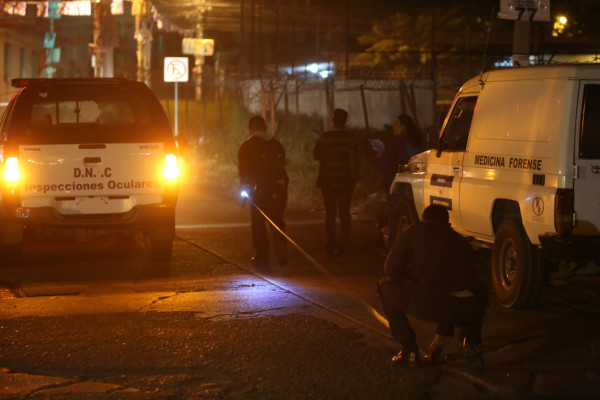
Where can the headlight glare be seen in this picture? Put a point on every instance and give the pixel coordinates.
(11, 171)
(171, 170)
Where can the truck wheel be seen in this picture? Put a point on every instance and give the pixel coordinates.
(159, 242)
(11, 255)
(517, 266)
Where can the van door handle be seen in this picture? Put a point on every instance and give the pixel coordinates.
(92, 160)
(455, 169)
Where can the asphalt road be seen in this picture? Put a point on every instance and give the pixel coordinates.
(97, 320)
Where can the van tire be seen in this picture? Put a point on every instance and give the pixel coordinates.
(517, 266)
(406, 216)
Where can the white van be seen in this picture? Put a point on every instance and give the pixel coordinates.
(86, 154)
(518, 166)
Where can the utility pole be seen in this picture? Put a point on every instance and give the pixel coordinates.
(347, 39)
(198, 62)
(106, 39)
(523, 12)
(143, 37)
(522, 38)
(203, 8)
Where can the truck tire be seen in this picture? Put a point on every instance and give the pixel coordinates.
(11, 255)
(159, 242)
(517, 266)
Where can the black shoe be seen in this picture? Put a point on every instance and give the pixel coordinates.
(410, 358)
(473, 356)
(259, 262)
(435, 349)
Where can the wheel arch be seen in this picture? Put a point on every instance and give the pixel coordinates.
(503, 209)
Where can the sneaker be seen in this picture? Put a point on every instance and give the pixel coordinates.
(473, 356)
(410, 358)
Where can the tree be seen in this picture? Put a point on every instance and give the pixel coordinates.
(406, 44)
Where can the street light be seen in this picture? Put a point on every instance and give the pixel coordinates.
(559, 25)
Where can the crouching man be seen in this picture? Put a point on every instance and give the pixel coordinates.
(430, 274)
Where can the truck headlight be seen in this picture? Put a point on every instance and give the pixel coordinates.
(171, 170)
(11, 169)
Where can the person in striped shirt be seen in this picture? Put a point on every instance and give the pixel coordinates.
(337, 153)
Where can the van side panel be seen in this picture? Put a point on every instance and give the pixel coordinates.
(527, 119)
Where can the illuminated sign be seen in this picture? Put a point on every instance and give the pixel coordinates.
(198, 47)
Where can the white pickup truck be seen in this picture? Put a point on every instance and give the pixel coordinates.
(86, 155)
(518, 167)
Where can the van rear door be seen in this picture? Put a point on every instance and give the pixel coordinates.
(587, 160)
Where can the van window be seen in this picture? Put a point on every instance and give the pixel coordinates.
(589, 141)
(456, 132)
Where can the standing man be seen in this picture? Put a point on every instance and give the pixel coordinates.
(337, 153)
(261, 165)
(430, 274)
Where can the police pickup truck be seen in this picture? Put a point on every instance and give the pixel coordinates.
(518, 167)
(86, 155)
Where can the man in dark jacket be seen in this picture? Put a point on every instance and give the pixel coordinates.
(337, 153)
(430, 274)
(261, 165)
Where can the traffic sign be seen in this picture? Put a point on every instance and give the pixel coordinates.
(176, 69)
(536, 10)
(198, 47)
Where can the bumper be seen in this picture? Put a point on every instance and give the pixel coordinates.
(138, 218)
(557, 247)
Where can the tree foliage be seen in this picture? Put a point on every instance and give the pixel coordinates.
(406, 42)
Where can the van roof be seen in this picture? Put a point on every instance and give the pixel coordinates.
(552, 71)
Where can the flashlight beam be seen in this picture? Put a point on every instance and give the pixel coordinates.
(320, 268)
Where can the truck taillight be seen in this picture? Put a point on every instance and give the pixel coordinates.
(171, 170)
(564, 210)
(11, 169)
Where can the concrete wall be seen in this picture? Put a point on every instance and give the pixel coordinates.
(383, 100)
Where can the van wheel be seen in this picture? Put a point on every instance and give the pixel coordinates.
(11, 255)
(159, 242)
(406, 216)
(517, 266)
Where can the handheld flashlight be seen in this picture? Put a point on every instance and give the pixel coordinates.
(245, 196)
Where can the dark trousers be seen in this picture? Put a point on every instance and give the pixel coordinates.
(272, 203)
(392, 222)
(398, 298)
(337, 200)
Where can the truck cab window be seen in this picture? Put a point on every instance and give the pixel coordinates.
(589, 143)
(456, 132)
